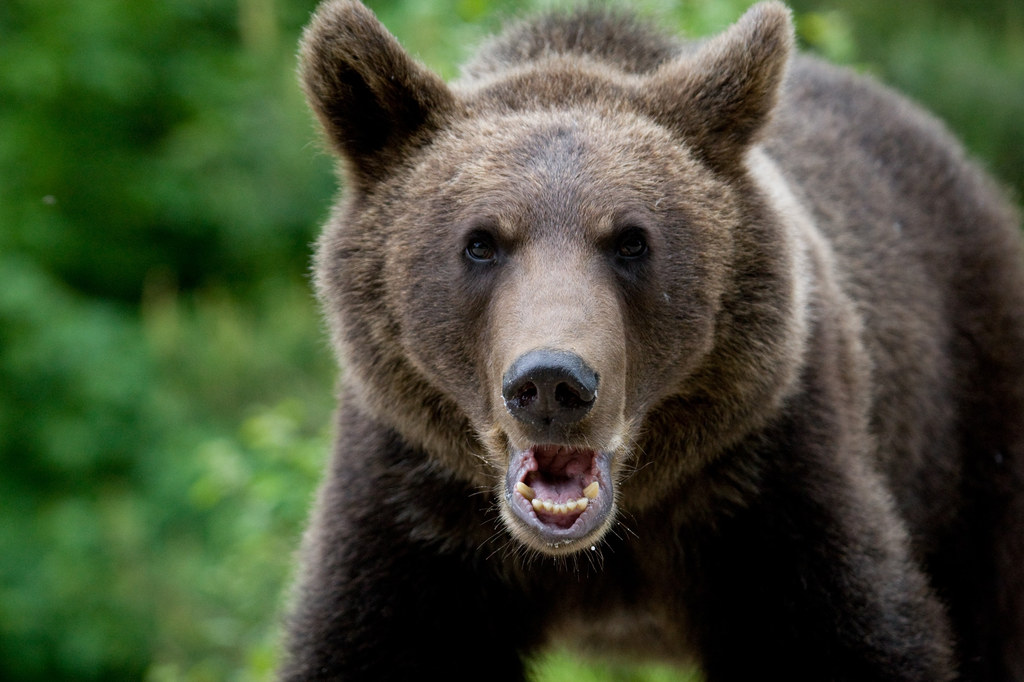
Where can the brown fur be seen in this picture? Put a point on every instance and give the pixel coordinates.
(808, 423)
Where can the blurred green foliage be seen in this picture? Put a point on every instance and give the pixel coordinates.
(165, 383)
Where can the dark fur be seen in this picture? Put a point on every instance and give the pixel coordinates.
(812, 388)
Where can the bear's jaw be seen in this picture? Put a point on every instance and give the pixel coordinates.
(560, 496)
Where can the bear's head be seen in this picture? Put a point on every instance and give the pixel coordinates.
(558, 278)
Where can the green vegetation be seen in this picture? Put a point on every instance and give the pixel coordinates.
(165, 381)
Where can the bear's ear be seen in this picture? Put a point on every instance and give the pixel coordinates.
(718, 97)
(373, 100)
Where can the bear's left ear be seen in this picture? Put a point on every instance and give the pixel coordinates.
(720, 96)
(374, 101)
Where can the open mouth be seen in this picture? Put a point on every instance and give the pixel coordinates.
(560, 493)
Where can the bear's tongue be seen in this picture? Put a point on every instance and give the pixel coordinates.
(559, 482)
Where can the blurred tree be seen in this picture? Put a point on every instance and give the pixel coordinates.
(963, 60)
(158, 200)
(142, 137)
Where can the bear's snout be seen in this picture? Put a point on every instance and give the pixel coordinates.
(547, 388)
(559, 491)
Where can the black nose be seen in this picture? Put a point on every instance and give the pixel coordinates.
(549, 388)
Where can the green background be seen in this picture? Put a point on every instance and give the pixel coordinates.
(165, 382)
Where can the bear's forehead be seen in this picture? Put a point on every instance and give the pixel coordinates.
(543, 166)
(526, 173)
(557, 147)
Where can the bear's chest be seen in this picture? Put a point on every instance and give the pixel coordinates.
(644, 627)
(629, 602)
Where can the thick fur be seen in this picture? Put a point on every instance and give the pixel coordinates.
(811, 400)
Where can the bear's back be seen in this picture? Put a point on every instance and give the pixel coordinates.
(926, 246)
(603, 34)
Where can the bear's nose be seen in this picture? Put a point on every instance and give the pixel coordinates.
(546, 388)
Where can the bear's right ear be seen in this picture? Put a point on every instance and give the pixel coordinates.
(373, 100)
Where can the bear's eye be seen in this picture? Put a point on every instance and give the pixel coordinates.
(631, 245)
(480, 248)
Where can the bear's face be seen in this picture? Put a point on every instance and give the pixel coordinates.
(513, 284)
(533, 239)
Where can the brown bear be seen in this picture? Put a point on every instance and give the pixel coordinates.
(693, 351)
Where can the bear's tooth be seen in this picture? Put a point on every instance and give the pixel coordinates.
(525, 490)
(560, 508)
(581, 503)
(548, 505)
(592, 490)
(571, 505)
(537, 504)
